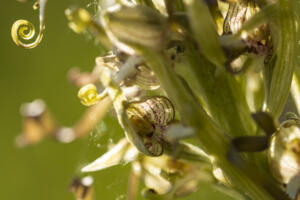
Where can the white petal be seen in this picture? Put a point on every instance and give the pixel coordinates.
(113, 157)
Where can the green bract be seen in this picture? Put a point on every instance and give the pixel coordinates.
(136, 26)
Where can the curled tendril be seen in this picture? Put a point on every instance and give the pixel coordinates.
(23, 29)
(88, 95)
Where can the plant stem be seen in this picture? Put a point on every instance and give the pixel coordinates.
(210, 137)
(221, 94)
(91, 117)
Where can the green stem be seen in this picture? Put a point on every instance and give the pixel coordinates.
(209, 136)
(221, 93)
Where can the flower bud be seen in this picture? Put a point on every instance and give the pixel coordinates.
(148, 117)
(141, 125)
(133, 27)
(158, 110)
(284, 151)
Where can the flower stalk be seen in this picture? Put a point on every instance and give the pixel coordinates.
(209, 135)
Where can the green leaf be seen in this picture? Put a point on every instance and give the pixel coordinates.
(220, 92)
(205, 32)
(285, 50)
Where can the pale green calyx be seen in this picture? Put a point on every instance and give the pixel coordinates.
(284, 151)
(132, 27)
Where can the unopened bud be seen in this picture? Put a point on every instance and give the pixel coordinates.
(284, 151)
(133, 27)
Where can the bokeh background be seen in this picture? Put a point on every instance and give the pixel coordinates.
(44, 171)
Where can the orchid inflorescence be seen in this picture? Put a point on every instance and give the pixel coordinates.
(196, 85)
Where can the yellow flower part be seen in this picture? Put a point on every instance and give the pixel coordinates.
(89, 96)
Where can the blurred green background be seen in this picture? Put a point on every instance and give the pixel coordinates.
(44, 171)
